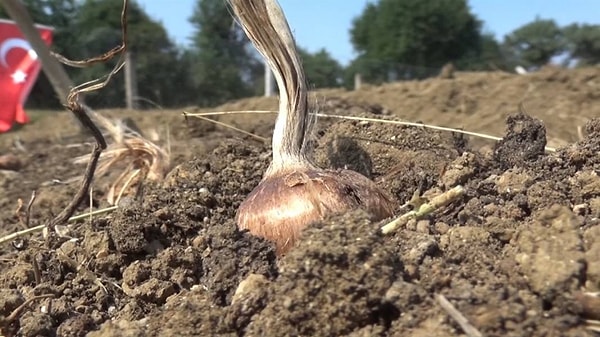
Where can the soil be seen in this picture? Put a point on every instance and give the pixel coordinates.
(516, 255)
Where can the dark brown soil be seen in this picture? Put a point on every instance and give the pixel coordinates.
(515, 255)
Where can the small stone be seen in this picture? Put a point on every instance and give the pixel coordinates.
(441, 227)
(423, 226)
(513, 182)
(459, 171)
(417, 254)
(411, 225)
(252, 283)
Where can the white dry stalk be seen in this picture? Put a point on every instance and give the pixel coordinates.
(362, 119)
(427, 208)
(592, 325)
(266, 25)
(40, 228)
(462, 321)
(229, 126)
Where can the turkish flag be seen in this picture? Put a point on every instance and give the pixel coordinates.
(19, 68)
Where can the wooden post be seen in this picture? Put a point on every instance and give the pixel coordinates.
(131, 88)
(357, 81)
(268, 81)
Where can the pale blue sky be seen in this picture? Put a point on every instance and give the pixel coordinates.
(325, 23)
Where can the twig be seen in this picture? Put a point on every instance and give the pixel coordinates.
(18, 212)
(89, 170)
(14, 315)
(36, 270)
(91, 202)
(470, 330)
(262, 139)
(28, 210)
(25, 223)
(425, 209)
(79, 111)
(39, 228)
(366, 119)
(592, 325)
(80, 268)
(106, 56)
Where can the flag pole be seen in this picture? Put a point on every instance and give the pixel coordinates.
(55, 72)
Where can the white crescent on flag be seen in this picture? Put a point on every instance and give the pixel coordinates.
(19, 68)
(12, 43)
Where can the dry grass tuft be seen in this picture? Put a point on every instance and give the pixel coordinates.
(139, 159)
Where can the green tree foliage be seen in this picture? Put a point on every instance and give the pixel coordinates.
(391, 34)
(583, 43)
(322, 70)
(491, 56)
(89, 28)
(225, 65)
(161, 74)
(536, 43)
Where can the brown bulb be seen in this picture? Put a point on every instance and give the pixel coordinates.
(295, 193)
(282, 205)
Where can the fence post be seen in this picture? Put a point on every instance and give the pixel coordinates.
(131, 88)
(357, 81)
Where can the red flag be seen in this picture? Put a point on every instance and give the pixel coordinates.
(19, 68)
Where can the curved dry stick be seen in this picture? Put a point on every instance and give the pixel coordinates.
(100, 145)
(80, 113)
(104, 57)
(15, 314)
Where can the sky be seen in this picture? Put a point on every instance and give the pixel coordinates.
(326, 23)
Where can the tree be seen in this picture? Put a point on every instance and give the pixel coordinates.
(322, 70)
(89, 28)
(583, 43)
(226, 66)
(391, 34)
(536, 43)
(491, 56)
(161, 77)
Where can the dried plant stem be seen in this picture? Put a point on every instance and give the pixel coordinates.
(75, 106)
(41, 227)
(592, 325)
(266, 25)
(15, 314)
(425, 209)
(364, 119)
(81, 269)
(37, 273)
(470, 330)
(262, 139)
(68, 211)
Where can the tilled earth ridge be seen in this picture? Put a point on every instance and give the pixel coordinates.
(513, 255)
